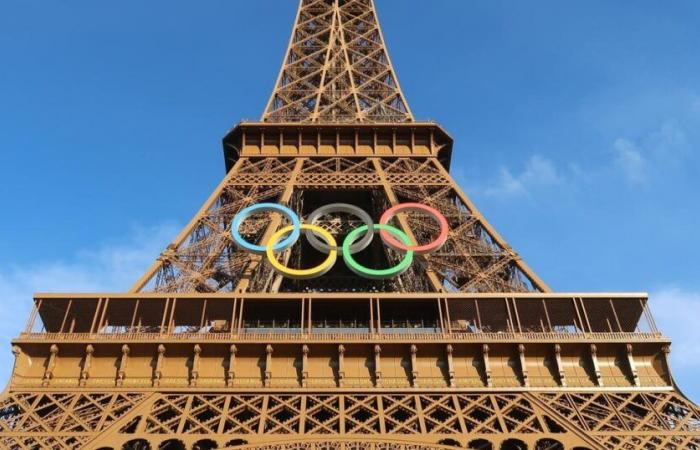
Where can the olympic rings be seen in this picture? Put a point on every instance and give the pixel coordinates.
(376, 274)
(343, 208)
(265, 207)
(323, 241)
(419, 249)
(302, 274)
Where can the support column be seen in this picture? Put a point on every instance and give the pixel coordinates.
(194, 375)
(231, 373)
(85, 371)
(32, 317)
(377, 366)
(304, 365)
(523, 365)
(560, 365)
(450, 366)
(51, 365)
(432, 277)
(632, 365)
(487, 365)
(158, 372)
(121, 374)
(536, 280)
(268, 366)
(666, 350)
(16, 352)
(151, 272)
(341, 365)
(596, 365)
(255, 260)
(414, 366)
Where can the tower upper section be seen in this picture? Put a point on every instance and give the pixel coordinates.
(337, 69)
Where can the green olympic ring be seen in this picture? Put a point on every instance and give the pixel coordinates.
(393, 237)
(376, 274)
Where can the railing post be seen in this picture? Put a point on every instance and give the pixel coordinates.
(233, 324)
(32, 317)
(95, 316)
(165, 314)
(240, 316)
(449, 319)
(65, 316)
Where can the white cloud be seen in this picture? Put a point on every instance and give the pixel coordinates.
(660, 150)
(670, 142)
(107, 268)
(676, 312)
(507, 184)
(630, 160)
(538, 171)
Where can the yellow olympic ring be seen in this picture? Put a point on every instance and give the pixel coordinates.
(302, 274)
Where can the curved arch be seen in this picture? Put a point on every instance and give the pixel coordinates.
(513, 444)
(450, 443)
(333, 445)
(172, 444)
(480, 444)
(137, 444)
(205, 444)
(549, 444)
(236, 443)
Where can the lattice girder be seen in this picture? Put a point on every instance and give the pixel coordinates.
(418, 419)
(474, 259)
(178, 363)
(337, 68)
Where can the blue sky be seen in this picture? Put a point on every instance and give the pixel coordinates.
(577, 126)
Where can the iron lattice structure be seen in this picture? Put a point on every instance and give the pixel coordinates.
(468, 349)
(337, 69)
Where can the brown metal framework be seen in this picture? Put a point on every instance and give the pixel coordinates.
(468, 349)
(337, 68)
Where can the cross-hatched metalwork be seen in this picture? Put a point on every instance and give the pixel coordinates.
(469, 348)
(337, 68)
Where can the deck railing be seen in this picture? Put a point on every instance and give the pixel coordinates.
(330, 337)
(321, 317)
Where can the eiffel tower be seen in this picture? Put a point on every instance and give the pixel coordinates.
(466, 347)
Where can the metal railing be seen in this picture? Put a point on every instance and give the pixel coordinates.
(399, 335)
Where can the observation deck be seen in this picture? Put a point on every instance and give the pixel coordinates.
(326, 341)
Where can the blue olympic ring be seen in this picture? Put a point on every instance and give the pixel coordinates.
(259, 208)
(351, 245)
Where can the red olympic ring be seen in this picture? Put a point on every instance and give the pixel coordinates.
(419, 249)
